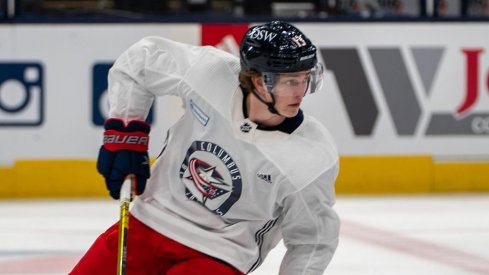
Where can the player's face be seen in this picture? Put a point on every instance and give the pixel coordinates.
(289, 90)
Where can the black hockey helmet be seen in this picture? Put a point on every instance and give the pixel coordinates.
(276, 47)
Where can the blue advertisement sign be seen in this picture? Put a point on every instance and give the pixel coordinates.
(21, 94)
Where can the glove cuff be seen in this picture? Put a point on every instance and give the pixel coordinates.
(133, 141)
(133, 136)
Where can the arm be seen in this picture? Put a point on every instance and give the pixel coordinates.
(147, 69)
(311, 227)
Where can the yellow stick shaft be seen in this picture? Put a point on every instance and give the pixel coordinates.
(125, 199)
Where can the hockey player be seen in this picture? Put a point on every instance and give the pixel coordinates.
(242, 169)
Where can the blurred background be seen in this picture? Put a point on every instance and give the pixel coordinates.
(220, 9)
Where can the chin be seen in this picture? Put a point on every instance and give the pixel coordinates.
(290, 113)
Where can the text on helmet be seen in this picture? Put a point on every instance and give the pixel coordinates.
(262, 35)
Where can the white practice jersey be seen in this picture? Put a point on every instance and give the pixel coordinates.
(221, 185)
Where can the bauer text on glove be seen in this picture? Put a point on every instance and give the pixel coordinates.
(124, 152)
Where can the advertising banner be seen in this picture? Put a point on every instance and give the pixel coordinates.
(407, 88)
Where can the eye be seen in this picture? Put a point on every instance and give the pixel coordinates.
(292, 82)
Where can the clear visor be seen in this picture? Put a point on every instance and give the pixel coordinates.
(296, 83)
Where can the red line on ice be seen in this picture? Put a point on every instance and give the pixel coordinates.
(39, 264)
(415, 247)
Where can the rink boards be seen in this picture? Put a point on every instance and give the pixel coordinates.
(407, 103)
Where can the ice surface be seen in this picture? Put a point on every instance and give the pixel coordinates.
(380, 235)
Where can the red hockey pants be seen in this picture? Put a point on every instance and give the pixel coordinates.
(148, 253)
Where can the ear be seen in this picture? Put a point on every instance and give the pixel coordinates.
(260, 87)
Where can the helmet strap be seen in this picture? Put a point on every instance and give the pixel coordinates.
(270, 105)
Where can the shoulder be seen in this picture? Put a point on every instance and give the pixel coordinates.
(305, 155)
(162, 43)
(154, 50)
(316, 149)
(318, 137)
(213, 74)
(194, 61)
(202, 58)
(158, 42)
(154, 46)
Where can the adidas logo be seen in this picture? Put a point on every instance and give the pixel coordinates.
(266, 177)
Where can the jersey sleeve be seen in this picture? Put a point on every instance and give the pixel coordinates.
(152, 67)
(311, 227)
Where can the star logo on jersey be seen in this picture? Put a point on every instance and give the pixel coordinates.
(211, 177)
(245, 127)
(207, 180)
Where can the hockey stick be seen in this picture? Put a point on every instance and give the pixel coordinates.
(125, 199)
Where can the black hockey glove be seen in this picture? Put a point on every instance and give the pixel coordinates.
(125, 151)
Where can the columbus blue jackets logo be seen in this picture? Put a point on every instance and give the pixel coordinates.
(211, 177)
